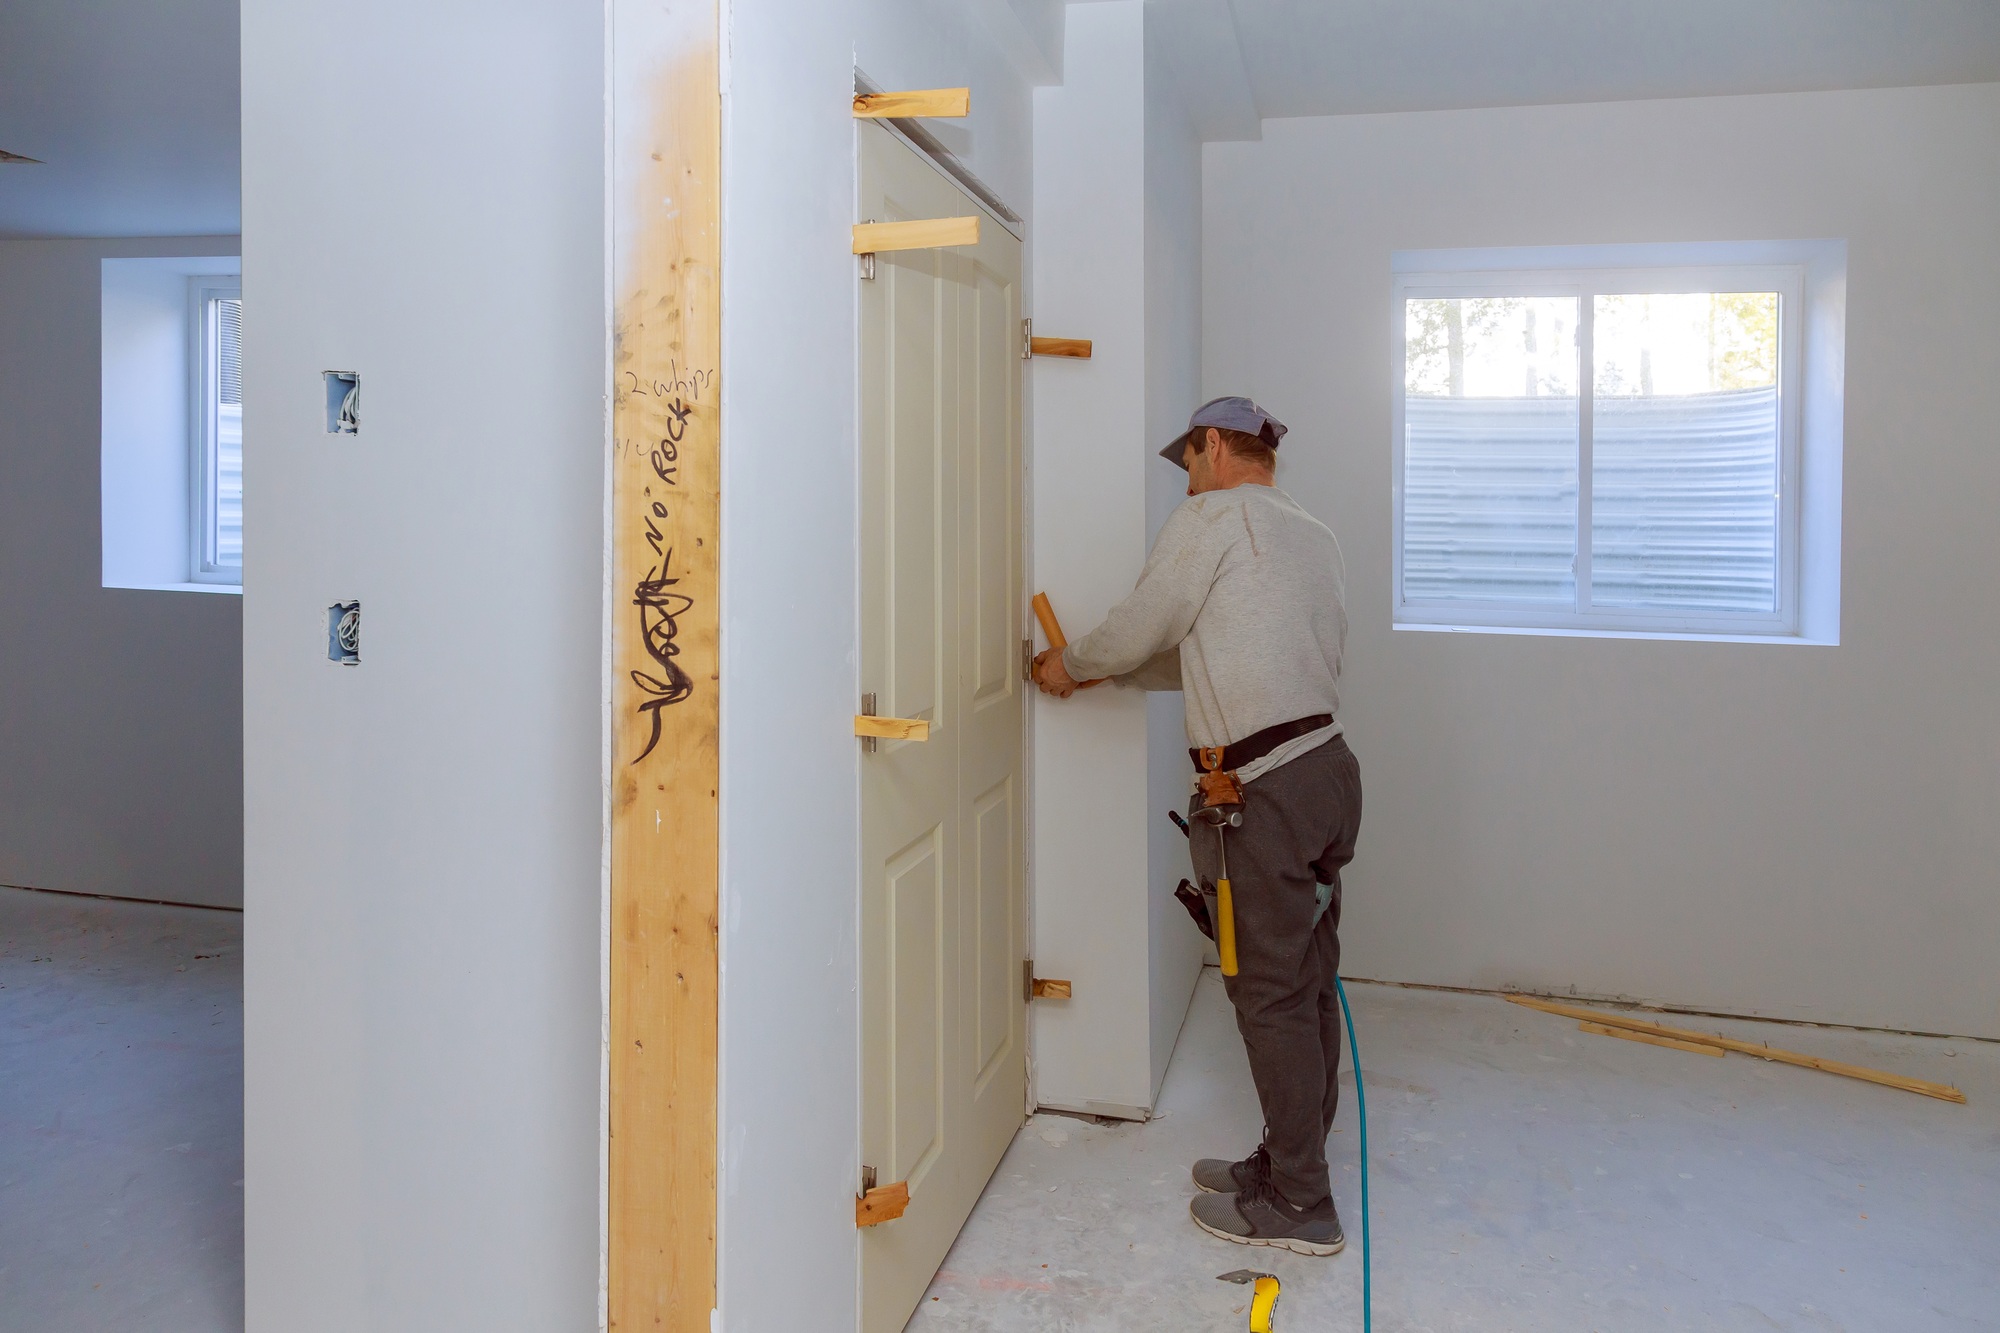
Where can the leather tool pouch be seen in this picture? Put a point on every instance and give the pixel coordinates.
(1218, 786)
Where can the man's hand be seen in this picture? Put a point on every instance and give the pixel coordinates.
(1052, 675)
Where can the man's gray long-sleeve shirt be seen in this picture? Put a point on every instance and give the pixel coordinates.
(1240, 606)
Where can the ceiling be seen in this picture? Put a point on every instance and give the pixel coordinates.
(133, 107)
(1251, 59)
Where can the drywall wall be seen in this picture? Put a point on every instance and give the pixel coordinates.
(121, 739)
(423, 196)
(1092, 1053)
(790, 612)
(1799, 831)
(146, 430)
(1118, 235)
(1175, 947)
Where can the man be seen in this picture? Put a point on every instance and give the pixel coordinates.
(1239, 607)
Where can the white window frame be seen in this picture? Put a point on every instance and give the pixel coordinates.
(1809, 278)
(203, 482)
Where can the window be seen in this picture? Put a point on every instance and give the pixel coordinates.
(1601, 447)
(170, 423)
(216, 361)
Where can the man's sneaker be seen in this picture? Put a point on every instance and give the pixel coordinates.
(1256, 1215)
(1214, 1175)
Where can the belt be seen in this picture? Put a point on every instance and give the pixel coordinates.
(1260, 743)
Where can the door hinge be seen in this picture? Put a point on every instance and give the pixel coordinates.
(1027, 339)
(867, 261)
(868, 743)
(1027, 659)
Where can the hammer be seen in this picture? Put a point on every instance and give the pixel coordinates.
(1225, 904)
(1222, 806)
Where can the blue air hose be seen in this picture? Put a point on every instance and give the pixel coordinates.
(1361, 1109)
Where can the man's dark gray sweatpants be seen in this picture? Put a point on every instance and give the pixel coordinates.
(1299, 822)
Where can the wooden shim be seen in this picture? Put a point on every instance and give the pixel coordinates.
(892, 728)
(1073, 347)
(665, 467)
(884, 1203)
(1626, 1034)
(1047, 988)
(922, 234)
(951, 102)
(1923, 1087)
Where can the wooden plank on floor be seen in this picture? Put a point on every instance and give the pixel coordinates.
(665, 554)
(1922, 1087)
(1674, 1043)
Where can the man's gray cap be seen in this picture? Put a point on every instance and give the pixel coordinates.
(1227, 414)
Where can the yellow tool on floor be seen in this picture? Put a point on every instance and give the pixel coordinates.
(1263, 1297)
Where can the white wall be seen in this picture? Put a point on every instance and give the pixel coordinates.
(790, 614)
(423, 202)
(121, 734)
(424, 831)
(1807, 832)
(147, 443)
(1117, 184)
(1173, 390)
(1092, 1052)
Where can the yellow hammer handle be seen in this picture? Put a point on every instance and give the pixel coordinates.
(1225, 927)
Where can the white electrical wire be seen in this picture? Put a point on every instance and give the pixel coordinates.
(349, 420)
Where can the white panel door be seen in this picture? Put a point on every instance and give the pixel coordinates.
(943, 1043)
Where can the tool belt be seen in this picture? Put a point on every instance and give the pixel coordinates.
(1257, 744)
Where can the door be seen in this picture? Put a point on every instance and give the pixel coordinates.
(944, 1033)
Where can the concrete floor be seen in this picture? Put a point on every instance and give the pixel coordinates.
(121, 1116)
(1525, 1176)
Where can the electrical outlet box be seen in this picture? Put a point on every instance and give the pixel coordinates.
(343, 633)
(343, 402)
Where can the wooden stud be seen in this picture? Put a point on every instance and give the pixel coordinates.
(892, 728)
(665, 466)
(1046, 988)
(1696, 1047)
(885, 1203)
(1074, 347)
(951, 102)
(922, 234)
(1923, 1087)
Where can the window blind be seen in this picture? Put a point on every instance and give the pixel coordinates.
(1683, 498)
